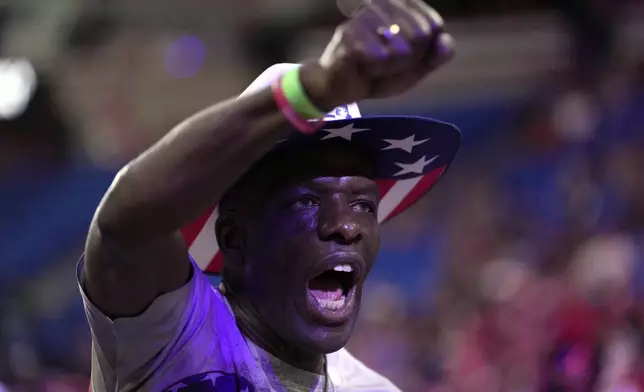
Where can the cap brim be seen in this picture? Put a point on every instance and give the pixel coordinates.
(412, 153)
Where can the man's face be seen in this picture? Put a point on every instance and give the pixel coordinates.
(310, 246)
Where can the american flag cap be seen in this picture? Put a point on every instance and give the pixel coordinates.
(411, 152)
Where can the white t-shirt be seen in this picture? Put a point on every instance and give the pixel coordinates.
(188, 341)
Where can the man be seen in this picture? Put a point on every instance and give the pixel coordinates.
(297, 224)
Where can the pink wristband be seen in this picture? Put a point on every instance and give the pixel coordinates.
(300, 123)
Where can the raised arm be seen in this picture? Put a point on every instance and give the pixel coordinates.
(134, 251)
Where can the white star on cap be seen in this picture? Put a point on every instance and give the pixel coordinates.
(345, 132)
(416, 167)
(406, 144)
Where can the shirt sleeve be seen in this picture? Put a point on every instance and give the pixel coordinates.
(350, 374)
(127, 351)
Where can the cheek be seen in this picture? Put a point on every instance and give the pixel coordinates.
(289, 230)
(279, 239)
(293, 224)
(372, 246)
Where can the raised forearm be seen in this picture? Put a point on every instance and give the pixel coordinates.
(181, 175)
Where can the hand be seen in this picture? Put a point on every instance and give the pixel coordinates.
(383, 50)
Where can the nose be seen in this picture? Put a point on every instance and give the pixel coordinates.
(336, 222)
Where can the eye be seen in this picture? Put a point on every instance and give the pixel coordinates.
(364, 206)
(304, 203)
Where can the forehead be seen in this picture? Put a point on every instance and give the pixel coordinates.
(326, 159)
(308, 165)
(310, 162)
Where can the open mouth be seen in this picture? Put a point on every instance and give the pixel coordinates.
(332, 292)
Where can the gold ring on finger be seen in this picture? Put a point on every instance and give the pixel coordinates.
(389, 32)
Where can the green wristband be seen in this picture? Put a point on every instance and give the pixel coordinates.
(296, 96)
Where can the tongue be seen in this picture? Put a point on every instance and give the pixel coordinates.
(326, 287)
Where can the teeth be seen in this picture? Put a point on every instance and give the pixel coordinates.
(333, 305)
(343, 268)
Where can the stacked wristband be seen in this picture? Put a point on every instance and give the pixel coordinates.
(295, 105)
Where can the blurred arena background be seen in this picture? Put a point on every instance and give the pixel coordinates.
(522, 272)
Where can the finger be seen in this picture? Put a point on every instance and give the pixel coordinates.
(414, 25)
(366, 46)
(358, 49)
(381, 27)
(418, 28)
(360, 6)
(378, 58)
(426, 23)
(392, 85)
(428, 13)
(443, 51)
(386, 28)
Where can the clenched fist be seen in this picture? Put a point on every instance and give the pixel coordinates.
(383, 50)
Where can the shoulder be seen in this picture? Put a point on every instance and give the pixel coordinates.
(348, 372)
(180, 334)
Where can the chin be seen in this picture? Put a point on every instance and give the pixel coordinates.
(325, 339)
(332, 345)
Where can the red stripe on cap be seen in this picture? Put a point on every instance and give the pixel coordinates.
(385, 186)
(216, 264)
(192, 230)
(423, 185)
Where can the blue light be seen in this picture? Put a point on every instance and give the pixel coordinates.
(185, 57)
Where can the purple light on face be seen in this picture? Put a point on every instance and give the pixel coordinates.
(185, 57)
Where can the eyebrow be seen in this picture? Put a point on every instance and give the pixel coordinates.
(371, 187)
(356, 189)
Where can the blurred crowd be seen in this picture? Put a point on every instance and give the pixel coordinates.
(523, 271)
(541, 237)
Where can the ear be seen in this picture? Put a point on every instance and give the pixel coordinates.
(229, 230)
